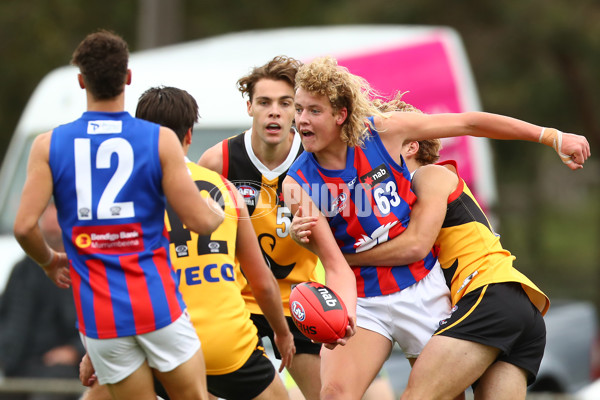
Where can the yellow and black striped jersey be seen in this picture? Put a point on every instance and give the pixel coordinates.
(205, 267)
(470, 252)
(261, 189)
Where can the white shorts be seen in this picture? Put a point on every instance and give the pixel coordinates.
(410, 316)
(165, 349)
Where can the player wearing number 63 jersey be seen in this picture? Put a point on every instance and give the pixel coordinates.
(366, 203)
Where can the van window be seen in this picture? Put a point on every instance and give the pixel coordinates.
(14, 188)
(202, 139)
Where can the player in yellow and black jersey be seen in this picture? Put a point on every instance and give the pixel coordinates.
(496, 332)
(261, 190)
(236, 364)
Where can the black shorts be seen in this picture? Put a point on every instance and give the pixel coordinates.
(302, 343)
(502, 316)
(250, 380)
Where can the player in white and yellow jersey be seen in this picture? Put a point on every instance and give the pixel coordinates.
(256, 162)
(236, 364)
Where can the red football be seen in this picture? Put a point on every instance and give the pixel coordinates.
(318, 312)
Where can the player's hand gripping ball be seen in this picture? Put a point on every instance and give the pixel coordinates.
(318, 312)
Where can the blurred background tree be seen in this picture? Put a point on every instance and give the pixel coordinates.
(534, 60)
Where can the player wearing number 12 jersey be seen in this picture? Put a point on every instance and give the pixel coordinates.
(109, 174)
(236, 365)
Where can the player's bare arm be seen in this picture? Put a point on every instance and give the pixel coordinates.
(263, 284)
(338, 274)
(213, 158)
(432, 184)
(402, 126)
(201, 215)
(34, 199)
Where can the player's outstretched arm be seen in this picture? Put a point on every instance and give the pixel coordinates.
(199, 214)
(263, 284)
(432, 185)
(403, 126)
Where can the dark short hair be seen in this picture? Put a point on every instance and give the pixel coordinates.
(280, 68)
(102, 58)
(168, 106)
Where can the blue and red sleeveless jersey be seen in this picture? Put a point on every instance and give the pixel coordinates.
(108, 193)
(366, 203)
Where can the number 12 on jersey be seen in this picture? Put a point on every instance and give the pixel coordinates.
(107, 207)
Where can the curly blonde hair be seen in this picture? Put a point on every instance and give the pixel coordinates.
(323, 76)
(429, 150)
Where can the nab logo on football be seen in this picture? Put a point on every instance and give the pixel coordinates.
(318, 312)
(329, 300)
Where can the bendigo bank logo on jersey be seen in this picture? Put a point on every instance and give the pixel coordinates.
(108, 239)
(377, 175)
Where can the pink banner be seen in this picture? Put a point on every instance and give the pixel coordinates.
(424, 70)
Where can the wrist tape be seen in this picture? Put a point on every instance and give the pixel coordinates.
(553, 138)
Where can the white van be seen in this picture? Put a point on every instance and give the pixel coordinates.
(427, 62)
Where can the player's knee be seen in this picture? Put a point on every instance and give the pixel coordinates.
(335, 391)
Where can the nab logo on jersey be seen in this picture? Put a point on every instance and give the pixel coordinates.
(377, 175)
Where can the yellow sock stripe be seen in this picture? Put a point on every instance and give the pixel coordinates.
(468, 313)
